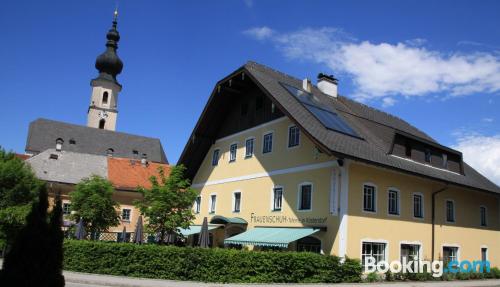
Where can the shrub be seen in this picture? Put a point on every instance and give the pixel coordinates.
(495, 272)
(207, 265)
(372, 277)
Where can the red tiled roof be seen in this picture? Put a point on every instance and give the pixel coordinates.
(130, 174)
(22, 156)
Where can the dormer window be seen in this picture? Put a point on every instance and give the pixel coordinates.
(59, 143)
(445, 160)
(110, 152)
(72, 141)
(408, 149)
(427, 155)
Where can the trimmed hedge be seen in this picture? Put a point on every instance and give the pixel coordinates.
(207, 265)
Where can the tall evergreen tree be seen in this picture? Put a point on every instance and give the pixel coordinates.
(35, 258)
(18, 190)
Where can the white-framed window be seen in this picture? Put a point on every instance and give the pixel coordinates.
(277, 202)
(215, 157)
(410, 252)
(249, 145)
(418, 205)
(393, 201)
(483, 213)
(450, 253)
(213, 203)
(232, 152)
(377, 250)
(450, 210)
(484, 253)
(66, 208)
(305, 196)
(267, 143)
(369, 198)
(293, 136)
(197, 204)
(126, 214)
(237, 201)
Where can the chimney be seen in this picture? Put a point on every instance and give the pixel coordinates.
(306, 85)
(328, 84)
(144, 160)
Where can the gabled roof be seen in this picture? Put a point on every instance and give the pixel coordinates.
(43, 134)
(376, 130)
(128, 174)
(71, 167)
(67, 167)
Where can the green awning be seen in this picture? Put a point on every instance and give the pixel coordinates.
(272, 236)
(195, 229)
(219, 219)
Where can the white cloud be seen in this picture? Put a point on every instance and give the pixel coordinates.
(382, 70)
(388, 102)
(259, 33)
(482, 153)
(488, 120)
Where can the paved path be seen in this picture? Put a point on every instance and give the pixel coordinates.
(105, 280)
(75, 279)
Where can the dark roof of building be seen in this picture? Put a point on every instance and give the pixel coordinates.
(43, 134)
(376, 130)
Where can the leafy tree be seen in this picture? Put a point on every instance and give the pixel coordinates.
(35, 258)
(167, 204)
(92, 201)
(18, 190)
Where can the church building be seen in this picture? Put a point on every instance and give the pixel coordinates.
(99, 136)
(63, 154)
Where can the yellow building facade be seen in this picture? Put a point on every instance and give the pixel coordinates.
(277, 176)
(255, 178)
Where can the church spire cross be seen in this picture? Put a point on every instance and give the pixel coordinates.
(108, 63)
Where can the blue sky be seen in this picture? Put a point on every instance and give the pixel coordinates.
(435, 64)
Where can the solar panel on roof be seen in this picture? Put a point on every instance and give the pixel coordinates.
(326, 115)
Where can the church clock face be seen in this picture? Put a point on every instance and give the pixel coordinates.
(103, 115)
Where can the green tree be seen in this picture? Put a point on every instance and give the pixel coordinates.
(36, 256)
(92, 201)
(18, 190)
(167, 204)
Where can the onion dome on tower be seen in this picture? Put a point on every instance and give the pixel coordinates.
(108, 63)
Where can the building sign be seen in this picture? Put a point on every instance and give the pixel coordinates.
(284, 219)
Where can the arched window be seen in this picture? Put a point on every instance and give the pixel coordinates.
(110, 152)
(105, 98)
(309, 244)
(59, 143)
(102, 122)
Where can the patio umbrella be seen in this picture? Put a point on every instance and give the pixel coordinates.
(124, 234)
(138, 231)
(80, 230)
(203, 241)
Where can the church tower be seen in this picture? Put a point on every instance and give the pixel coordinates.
(103, 112)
